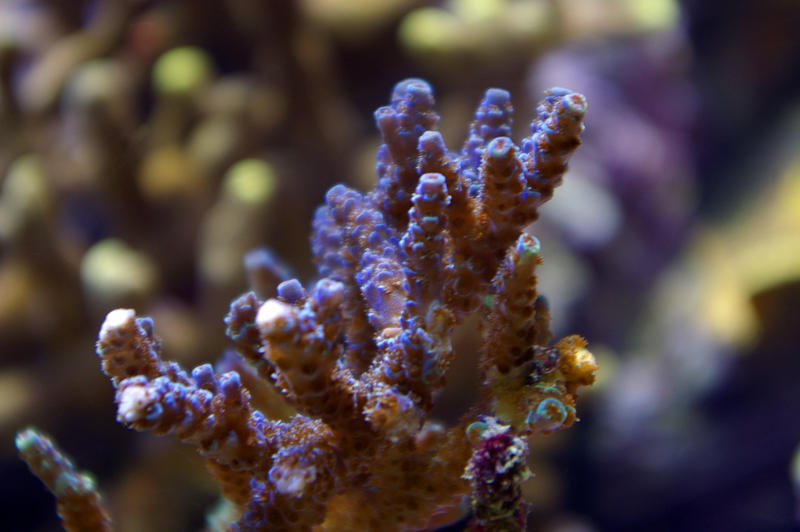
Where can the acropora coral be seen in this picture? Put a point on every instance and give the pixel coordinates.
(362, 353)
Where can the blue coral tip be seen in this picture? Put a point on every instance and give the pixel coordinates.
(328, 292)
(203, 376)
(291, 291)
(431, 141)
(384, 115)
(414, 87)
(146, 326)
(557, 91)
(498, 97)
(230, 383)
(334, 192)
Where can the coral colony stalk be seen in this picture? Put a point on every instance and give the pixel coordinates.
(362, 353)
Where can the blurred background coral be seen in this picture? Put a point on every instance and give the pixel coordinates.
(147, 146)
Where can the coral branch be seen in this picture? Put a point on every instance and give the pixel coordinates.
(542, 159)
(493, 119)
(242, 330)
(80, 506)
(401, 124)
(336, 244)
(212, 414)
(518, 319)
(425, 241)
(303, 343)
(127, 347)
(555, 135)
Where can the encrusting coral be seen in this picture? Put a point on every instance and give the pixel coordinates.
(362, 353)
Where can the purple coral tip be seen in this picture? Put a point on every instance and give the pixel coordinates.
(500, 148)
(431, 143)
(291, 291)
(555, 92)
(385, 118)
(231, 384)
(416, 88)
(498, 97)
(203, 376)
(328, 293)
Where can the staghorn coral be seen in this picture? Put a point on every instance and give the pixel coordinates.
(362, 353)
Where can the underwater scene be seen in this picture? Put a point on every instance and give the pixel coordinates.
(399, 265)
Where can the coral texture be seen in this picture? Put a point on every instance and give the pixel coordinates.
(362, 353)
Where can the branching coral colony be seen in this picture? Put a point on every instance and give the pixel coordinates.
(362, 353)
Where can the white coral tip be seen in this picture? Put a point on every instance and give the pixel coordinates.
(274, 317)
(133, 403)
(116, 319)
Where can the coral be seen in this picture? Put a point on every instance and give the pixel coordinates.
(362, 353)
(495, 471)
(79, 504)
